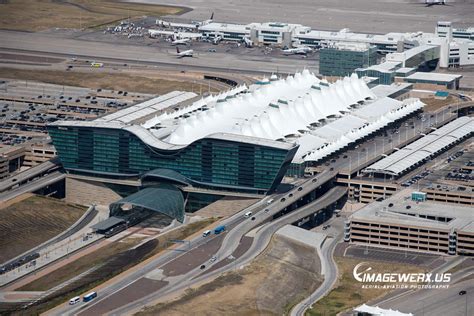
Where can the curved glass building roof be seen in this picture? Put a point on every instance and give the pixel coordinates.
(165, 199)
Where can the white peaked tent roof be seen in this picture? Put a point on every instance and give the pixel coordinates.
(280, 108)
(321, 117)
(375, 310)
(348, 129)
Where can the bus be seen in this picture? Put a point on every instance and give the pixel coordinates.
(219, 229)
(89, 297)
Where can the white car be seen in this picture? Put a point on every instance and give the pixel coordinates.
(248, 214)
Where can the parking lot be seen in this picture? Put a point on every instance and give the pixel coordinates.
(454, 172)
(27, 107)
(399, 256)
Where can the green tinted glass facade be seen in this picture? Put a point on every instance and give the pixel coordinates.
(210, 161)
(341, 62)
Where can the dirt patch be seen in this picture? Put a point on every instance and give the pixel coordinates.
(225, 207)
(433, 104)
(272, 284)
(31, 222)
(111, 81)
(82, 264)
(348, 293)
(36, 15)
(104, 263)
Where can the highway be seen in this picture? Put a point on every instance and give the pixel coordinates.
(33, 185)
(156, 263)
(260, 242)
(28, 174)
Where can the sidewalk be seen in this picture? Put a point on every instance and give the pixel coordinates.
(54, 252)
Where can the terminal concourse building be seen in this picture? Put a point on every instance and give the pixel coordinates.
(243, 140)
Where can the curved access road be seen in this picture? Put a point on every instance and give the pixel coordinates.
(260, 242)
(330, 273)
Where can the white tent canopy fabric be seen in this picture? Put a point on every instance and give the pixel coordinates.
(321, 117)
(277, 109)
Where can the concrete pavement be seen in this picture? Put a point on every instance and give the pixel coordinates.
(161, 56)
(329, 268)
(260, 242)
(437, 302)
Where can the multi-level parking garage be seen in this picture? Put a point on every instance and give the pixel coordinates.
(402, 223)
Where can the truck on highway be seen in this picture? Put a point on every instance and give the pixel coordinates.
(219, 229)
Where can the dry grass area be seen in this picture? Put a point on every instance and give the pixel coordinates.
(225, 207)
(271, 285)
(112, 81)
(348, 292)
(109, 261)
(33, 221)
(106, 253)
(77, 267)
(433, 104)
(37, 15)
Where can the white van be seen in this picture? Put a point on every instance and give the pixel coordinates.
(74, 300)
(248, 214)
(206, 233)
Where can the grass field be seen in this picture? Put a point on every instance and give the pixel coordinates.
(112, 259)
(33, 221)
(433, 104)
(274, 282)
(36, 15)
(348, 293)
(101, 255)
(124, 82)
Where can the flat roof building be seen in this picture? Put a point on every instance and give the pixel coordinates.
(447, 81)
(401, 223)
(424, 148)
(342, 59)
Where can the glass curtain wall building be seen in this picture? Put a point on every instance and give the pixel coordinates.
(218, 161)
(342, 59)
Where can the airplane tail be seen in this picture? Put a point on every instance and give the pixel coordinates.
(177, 49)
(212, 16)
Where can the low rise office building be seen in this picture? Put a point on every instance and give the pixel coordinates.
(342, 59)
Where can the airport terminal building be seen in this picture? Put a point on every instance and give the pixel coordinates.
(243, 140)
(114, 147)
(453, 47)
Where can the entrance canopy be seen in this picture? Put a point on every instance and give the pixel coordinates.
(165, 199)
(107, 224)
